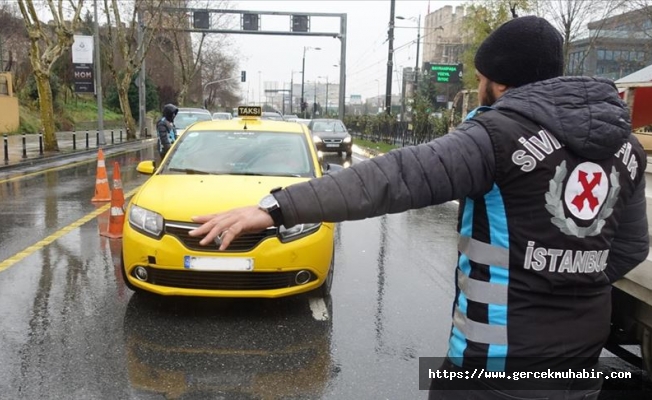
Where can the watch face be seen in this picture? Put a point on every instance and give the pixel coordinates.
(268, 201)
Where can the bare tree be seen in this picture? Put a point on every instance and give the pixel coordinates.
(183, 49)
(129, 52)
(220, 68)
(644, 7)
(45, 49)
(571, 18)
(13, 36)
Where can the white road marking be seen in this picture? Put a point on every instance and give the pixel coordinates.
(318, 308)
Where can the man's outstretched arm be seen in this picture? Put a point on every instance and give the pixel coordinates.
(453, 166)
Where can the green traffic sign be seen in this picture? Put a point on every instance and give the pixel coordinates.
(445, 73)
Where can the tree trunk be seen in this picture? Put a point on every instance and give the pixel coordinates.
(181, 98)
(47, 111)
(126, 109)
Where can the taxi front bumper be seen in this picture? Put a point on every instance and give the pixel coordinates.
(279, 269)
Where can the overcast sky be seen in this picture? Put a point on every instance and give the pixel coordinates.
(366, 59)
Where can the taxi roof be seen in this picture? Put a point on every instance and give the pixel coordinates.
(254, 124)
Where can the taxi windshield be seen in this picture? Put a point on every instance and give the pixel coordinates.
(241, 153)
(185, 119)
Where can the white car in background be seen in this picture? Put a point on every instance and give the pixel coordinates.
(188, 116)
(222, 115)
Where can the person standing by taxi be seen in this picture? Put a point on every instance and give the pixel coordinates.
(165, 129)
(552, 211)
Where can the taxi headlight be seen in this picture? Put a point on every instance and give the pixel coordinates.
(347, 139)
(146, 221)
(297, 231)
(316, 139)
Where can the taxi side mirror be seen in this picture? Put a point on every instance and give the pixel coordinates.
(328, 168)
(146, 167)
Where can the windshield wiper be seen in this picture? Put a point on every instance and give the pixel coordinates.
(244, 173)
(259, 174)
(190, 171)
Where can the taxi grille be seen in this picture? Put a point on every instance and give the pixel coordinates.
(244, 242)
(212, 280)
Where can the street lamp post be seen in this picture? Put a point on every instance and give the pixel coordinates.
(292, 90)
(416, 67)
(314, 103)
(260, 90)
(303, 69)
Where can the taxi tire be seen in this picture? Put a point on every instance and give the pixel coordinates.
(324, 291)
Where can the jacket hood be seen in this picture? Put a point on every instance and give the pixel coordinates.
(585, 114)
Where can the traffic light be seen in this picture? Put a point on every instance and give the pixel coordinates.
(243, 76)
(304, 105)
(250, 22)
(201, 20)
(300, 23)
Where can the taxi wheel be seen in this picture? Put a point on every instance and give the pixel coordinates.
(325, 289)
(124, 276)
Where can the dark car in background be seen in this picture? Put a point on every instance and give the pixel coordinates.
(331, 136)
(271, 115)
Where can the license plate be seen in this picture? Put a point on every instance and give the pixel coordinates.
(218, 263)
(332, 145)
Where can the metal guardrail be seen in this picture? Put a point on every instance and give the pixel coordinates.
(23, 147)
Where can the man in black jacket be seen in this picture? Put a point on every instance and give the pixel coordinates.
(552, 208)
(166, 130)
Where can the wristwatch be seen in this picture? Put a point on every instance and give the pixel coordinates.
(270, 205)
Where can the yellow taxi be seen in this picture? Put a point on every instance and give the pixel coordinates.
(212, 167)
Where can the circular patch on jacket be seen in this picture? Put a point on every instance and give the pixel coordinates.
(586, 189)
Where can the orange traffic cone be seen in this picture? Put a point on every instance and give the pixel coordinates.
(117, 215)
(101, 180)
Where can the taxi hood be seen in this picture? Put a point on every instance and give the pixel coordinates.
(180, 197)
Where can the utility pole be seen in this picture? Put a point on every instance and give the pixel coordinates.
(141, 75)
(416, 68)
(390, 59)
(314, 104)
(98, 80)
(291, 92)
(327, 96)
(303, 75)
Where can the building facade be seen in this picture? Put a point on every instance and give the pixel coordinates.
(614, 47)
(443, 36)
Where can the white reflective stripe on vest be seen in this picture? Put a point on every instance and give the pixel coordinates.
(481, 291)
(478, 331)
(483, 253)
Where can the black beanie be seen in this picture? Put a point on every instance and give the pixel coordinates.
(521, 51)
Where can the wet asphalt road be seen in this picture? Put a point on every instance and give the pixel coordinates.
(69, 329)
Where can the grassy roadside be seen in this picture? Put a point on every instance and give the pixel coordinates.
(381, 147)
(69, 115)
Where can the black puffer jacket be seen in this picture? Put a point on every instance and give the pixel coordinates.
(585, 114)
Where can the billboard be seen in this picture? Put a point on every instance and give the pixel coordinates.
(82, 50)
(84, 79)
(82, 60)
(444, 73)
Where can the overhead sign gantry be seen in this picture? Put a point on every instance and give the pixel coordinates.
(250, 23)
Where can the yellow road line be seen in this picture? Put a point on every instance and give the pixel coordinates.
(19, 177)
(58, 234)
